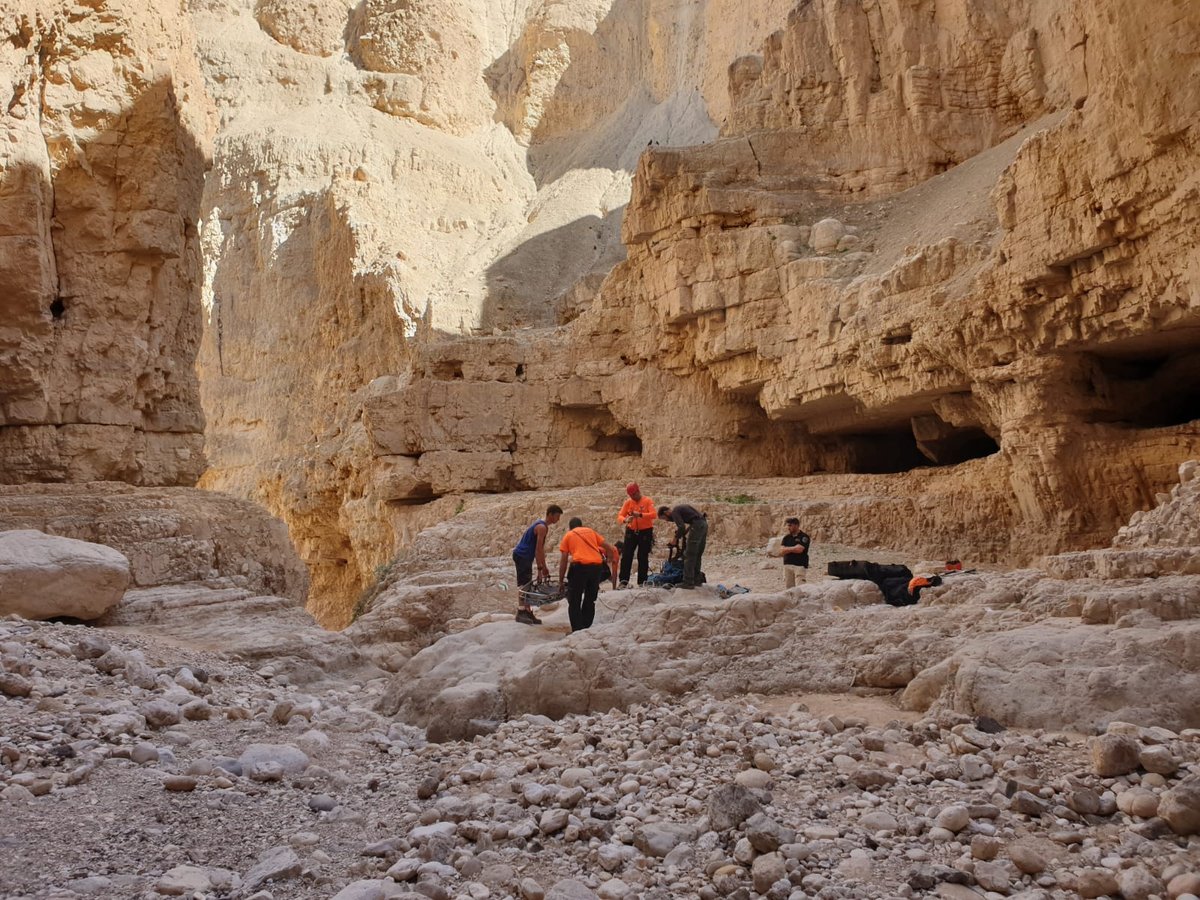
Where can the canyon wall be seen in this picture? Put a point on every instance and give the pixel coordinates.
(103, 144)
(387, 173)
(942, 251)
(928, 234)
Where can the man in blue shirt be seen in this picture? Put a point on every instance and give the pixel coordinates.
(531, 549)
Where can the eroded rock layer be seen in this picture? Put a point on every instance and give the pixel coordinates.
(1055, 647)
(926, 237)
(104, 137)
(386, 171)
(171, 536)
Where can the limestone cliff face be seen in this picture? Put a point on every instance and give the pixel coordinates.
(930, 234)
(389, 172)
(103, 146)
(881, 96)
(476, 246)
(1036, 302)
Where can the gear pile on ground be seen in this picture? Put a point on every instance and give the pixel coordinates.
(133, 770)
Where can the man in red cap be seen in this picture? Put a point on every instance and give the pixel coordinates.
(637, 515)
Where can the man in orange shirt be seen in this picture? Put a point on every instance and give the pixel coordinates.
(638, 516)
(592, 559)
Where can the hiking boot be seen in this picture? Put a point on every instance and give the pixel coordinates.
(623, 586)
(526, 617)
(687, 587)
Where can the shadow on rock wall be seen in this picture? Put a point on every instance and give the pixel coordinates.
(587, 99)
(521, 285)
(100, 293)
(297, 328)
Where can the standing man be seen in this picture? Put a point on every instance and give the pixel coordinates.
(592, 560)
(691, 526)
(637, 515)
(795, 553)
(529, 550)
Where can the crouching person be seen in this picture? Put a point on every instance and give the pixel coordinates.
(691, 527)
(591, 559)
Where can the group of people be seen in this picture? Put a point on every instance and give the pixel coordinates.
(587, 560)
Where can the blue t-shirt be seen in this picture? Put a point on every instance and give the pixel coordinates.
(527, 546)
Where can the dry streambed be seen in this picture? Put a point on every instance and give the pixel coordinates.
(129, 771)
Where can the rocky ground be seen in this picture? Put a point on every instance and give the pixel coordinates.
(131, 769)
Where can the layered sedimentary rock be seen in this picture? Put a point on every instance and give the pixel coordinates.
(923, 239)
(107, 133)
(387, 171)
(104, 133)
(202, 571)
(1114, 623)
(171, 536)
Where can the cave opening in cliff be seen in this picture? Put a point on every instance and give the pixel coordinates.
(447, 370)
(884, 452)
(624, 442)
(960, 446)
(58, 309)
(419, 495)
(596, 429)
(1150, 390)
(896, 449)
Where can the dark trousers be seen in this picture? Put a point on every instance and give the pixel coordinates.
(524, 574)
(583, 584)
(636, 542)
(693, 553)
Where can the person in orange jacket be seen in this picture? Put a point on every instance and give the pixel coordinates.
(592, 560)
(638, 516)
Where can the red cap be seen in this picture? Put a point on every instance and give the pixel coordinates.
(632, 488)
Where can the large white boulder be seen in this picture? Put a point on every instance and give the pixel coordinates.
(1058, 675)
(43, 576)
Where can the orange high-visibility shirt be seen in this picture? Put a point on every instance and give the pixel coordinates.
(642, 514)
(583, 544)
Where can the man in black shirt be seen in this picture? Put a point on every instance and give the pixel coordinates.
(691, 526)
(796, 558)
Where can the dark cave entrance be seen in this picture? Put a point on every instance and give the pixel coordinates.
(625, 442)
(447, 370)
(921, 442)
(595, 428)
(883, 452)
(1148, 390)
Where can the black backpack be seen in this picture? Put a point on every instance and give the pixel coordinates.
(891, 579)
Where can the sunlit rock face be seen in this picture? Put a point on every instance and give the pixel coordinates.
(104, 142)
(391, 171)
(908, 253)
(460, 247)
